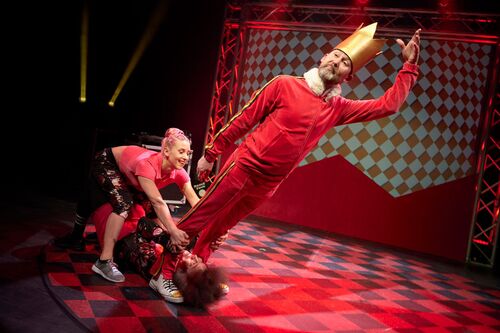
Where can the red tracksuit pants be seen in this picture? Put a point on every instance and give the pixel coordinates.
(232, 196)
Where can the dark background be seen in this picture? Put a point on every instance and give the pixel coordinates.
(48, 136)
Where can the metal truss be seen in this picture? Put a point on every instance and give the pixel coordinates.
(452, 25)
(226, 78)
(483, 241)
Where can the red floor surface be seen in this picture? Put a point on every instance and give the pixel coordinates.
(284, 279)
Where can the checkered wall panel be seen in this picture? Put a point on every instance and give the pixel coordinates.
(429, 142)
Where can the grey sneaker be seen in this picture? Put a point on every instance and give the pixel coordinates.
(167, 289)
(108, 270)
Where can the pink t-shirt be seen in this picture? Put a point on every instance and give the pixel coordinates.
(138, 161)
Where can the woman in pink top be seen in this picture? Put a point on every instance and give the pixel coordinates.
(127, 174)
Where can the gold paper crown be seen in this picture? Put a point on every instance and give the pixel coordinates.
(360, 47)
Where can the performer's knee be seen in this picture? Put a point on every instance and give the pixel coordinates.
(123, 209)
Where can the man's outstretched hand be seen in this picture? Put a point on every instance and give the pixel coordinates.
(411, 51)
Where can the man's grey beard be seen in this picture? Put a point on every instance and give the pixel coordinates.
(327, 76)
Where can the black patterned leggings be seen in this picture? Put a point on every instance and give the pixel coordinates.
(107, 184)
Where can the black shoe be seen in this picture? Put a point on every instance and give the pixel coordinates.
(70, 242)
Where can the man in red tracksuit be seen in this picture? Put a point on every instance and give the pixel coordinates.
(292, 114)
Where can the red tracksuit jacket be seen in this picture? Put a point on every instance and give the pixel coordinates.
(293, 119)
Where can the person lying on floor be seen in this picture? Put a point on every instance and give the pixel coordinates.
(142, 244)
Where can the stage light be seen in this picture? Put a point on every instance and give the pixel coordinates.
(83, 53)
(362, 3)
(154, 22)
(443, 4)
(446, 6)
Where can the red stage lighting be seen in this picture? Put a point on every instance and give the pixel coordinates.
(446, 6)
(444, 3)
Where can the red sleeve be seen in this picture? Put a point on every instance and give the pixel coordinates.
(259, 106)
(363, 110)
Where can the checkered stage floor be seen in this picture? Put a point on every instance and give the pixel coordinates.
(285, 279)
